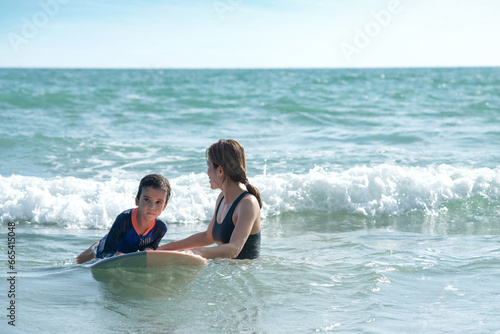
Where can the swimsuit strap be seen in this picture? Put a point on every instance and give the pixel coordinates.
(233, 206)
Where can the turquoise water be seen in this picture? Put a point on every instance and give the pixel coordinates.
(381, 192)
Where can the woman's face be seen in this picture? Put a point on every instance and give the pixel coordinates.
(215, 174)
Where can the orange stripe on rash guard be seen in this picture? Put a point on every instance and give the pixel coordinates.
(136, 226)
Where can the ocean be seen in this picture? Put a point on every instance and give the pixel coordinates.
(381, 192)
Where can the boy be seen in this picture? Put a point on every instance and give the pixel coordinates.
(135, 229)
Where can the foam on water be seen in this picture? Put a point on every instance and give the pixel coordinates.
(383, 190)
(376, 191)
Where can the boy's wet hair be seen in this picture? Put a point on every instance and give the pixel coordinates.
(156, 181)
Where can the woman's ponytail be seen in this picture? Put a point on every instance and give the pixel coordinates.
(254, 191)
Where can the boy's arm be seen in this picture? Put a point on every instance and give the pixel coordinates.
(114, 236)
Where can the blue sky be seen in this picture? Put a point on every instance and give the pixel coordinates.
(248, 34)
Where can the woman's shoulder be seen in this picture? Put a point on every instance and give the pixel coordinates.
(249, 200)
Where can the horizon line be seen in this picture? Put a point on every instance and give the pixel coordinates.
(246, 68)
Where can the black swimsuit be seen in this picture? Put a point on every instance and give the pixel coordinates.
(222, 232)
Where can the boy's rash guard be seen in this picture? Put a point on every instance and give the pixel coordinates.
(123, 236)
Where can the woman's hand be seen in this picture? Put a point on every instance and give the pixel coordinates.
(194, 251)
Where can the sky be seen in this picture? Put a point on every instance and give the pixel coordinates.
(249, 34)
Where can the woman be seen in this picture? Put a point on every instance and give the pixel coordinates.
(235, 226)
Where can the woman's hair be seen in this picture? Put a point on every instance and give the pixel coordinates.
(230, 155)
(156, 181)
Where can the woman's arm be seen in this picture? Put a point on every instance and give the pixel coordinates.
(200, 239)
(196, 240)
(247, 215)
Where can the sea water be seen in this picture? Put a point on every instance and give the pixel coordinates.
(381, 192)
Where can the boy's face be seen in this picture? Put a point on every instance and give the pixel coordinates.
(152, 202)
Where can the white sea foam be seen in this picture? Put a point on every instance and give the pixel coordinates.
(369, 191)
(376, 191)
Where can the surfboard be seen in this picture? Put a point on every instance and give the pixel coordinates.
(150, 259)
